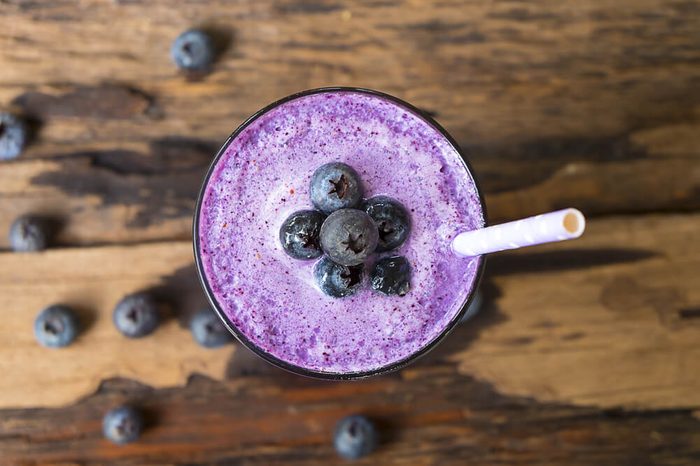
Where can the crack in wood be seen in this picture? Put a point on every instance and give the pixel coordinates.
(453, 418)
(162, 184)
(107, 101)
(689, 313)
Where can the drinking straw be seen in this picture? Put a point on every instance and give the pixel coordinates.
(545, 228)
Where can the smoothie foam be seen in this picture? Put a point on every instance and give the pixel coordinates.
(263, 176)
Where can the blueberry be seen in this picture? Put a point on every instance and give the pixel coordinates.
(208, 330)
(392, 221)
(122, 425)
(349, 236)
(355, 437)
(335, 186)
(56, 327)
(299, 234)
(392, 275)
(193, 50)
(136, 315)
(13, 136)
(337, 280)
(28, 234)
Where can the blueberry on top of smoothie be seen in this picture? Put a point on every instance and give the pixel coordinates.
(335, 186)
(391, 276)
(392, 221)
(337, 280)
(300, 232)
(349, 236)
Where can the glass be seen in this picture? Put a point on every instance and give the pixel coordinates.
(302, 370)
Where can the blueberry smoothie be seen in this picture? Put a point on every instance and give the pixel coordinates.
(323, 231)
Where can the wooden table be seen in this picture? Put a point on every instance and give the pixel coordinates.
(585, 353)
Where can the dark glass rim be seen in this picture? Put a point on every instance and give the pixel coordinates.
(302, 370)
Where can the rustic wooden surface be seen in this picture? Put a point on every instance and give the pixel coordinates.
(92, 280)
(585, 353)
(623, 302)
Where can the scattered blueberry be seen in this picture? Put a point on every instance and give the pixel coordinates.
(335, 186)
(136, 315)
(208, 330)
(337, 280)
(13, 136)
(56, 327)
(193, 50)
(355, 437)
(392, 276)
(299, 234)
(349, 236)
(122, 425)
(28, 234)
(392, 221)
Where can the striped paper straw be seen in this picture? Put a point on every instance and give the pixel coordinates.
(546, 228)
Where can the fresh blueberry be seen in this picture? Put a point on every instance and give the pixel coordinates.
(208, 330)
(13, 136)
(193, 50)
(335, 186)
(349, 236)
(337, 280)
(355, 437)
(392, 221)
(299, 234)
(392, 275)
(122, 425)
(28, 234)
(136, 315)
(56, 327)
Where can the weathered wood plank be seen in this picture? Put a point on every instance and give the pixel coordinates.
(93, 280)
(110, 196)
(592, 103)
(435, 417)
(492, 71)
(608, 320)
(148, 192)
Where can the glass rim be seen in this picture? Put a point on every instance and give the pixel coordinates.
(300, 370)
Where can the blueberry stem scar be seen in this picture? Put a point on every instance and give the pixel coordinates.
(339, 187)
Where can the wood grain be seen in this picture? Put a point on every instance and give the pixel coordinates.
(591, 104)
(93, 280)
(584, 353)
(605, 321)
(433, 418)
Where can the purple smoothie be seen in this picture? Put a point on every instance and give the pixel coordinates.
(263, 176)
